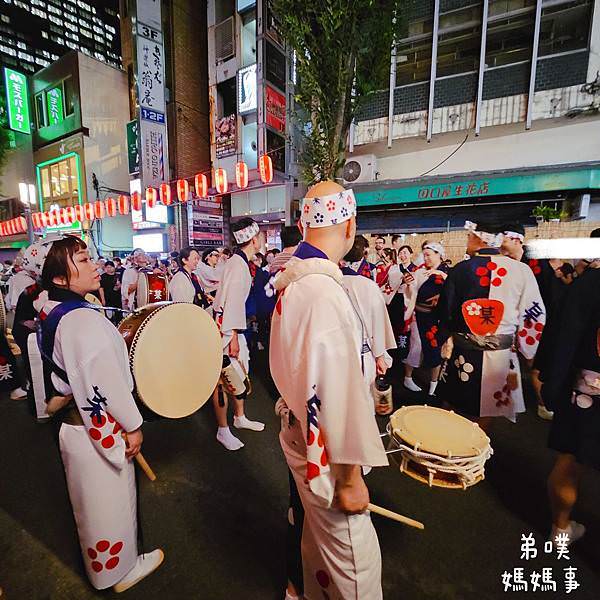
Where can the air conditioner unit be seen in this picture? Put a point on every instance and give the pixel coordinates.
(360, 169)
(225, 40)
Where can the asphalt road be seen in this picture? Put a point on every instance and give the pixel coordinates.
(221, 517)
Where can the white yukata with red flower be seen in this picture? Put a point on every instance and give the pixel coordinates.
(315, 359)
(100, 479)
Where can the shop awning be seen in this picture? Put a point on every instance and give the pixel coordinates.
(471, 186)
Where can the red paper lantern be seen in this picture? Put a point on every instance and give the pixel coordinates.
(136, 201)
(79, 212)
(53, 218)
(36, 219)
(164, 192)
(241, 174)
(265, 168)
(183, 190)
(123, 205)
(10, 227)
(2, 228)
(99, 209)
(70, 214)
(221, 181)
(110, 205)
(201, 185)
(22, 224)
(63, 216)
(151, 197)
(88, 211)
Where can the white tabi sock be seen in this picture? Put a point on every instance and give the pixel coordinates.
(244, 422)
(229, 440)
(411, 385)
(432, 386)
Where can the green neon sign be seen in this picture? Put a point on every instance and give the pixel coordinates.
(17, 100)
(76, 225)
(55, 105)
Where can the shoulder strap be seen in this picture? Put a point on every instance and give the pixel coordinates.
(46, 332)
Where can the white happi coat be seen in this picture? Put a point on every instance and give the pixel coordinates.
(315, 356)
(130, 276)
(181, 289)
(367, 299)
(210, 277)
(229, 307)
(100, 480)
(16, 285)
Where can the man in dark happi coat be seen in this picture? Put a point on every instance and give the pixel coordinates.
(490, 307)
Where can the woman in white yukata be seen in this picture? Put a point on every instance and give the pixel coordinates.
(100, 431)
(185, 285)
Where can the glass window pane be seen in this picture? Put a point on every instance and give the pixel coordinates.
(565, 27)
(45, 175)
(54, 181)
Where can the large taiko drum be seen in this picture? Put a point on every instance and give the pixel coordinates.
(152, 288)
(175, 355)
(439, 447)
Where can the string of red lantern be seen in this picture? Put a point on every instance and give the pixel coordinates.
(110, 206)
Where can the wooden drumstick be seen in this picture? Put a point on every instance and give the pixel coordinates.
(145, 466)
(384, 512)
(139, 457)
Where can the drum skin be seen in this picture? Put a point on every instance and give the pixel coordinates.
(152, 288)
(175, 355)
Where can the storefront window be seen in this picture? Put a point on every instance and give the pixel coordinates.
(59, 182)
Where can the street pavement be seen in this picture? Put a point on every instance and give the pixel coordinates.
(221, 516)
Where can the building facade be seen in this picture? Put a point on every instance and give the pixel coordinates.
(179, 27)
(250, 103)
(35, 33)
(493, 109)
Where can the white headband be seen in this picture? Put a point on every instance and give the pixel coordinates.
(493, 240)
(514, 235)
(436, 247)
(34, 256)
(325, 211)
(245, 235)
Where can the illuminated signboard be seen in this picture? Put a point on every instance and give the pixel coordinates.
(55, 106)
(247, 89)
(17, 101)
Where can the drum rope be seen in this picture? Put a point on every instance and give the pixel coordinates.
(468, 469)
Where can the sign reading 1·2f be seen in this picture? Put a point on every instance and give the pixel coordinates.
(17, 101)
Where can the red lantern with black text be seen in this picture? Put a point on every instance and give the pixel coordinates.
(241, 174)
(123, 205)
(88, 211)
(265, 168)
(201, 184)
(183, 190)
(221, 181)
(136, 201)
(151, 197)
(165, 194)
(110, 205)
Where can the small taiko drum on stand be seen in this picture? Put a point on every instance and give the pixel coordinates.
(152, 288)
(175, 355)
(439, 447)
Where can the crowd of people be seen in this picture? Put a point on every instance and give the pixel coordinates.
(337, 318)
